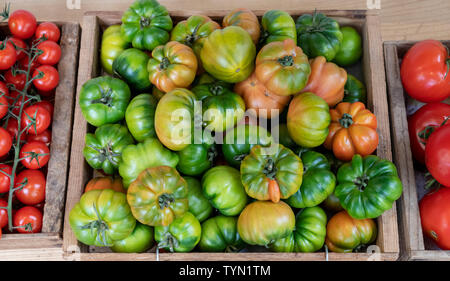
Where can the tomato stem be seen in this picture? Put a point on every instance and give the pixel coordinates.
(447, 61)
(270, 170)
(286, 60)
(346, 120)
(5, 13)
(165, 200)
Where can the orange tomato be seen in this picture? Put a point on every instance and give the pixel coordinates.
(256, 96)
(327, 80)
(353, 130)
(113, 183)
(246, 19)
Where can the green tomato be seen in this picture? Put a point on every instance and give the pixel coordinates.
(139, 241)
(318, 181)
(199, 205)
(241, 139)
(148, 154)
(197, 158)
(102, 217)
(222, 108)
(319, 35)
(351, 47)
(103, 100)
(182, 235)
(131, 66)
(103, 150)
(223, 187)
(229, 54)
(277, 26)
(367, 187)
(354, 90)
(220, 234)
(146, 24)
(140, 115)
(285, 139)
(309, 234)
(112, 45)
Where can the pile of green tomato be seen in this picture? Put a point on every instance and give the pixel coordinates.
(286, 194)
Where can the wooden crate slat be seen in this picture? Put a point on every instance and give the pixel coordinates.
(366, 21)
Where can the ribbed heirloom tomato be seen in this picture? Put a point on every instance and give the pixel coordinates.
(246, 19)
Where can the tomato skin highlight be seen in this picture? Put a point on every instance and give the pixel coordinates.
(435, 216)
(424, 71)
(437, 155)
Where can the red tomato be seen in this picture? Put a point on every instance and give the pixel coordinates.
(5, 142)
(18, 102)
(3, 213)
(5, 181)
(437, 155)
(30, 218)
(47, 105)
(8, 55)
(12, 127)
(45, 137)
(4, 92)
(36, 113)
(31, 149)
(22, 24)
(435, 216)
(50, 79)
(17, 79)
(424, 71)
(33, 190)
(23, 64)
(49, 30)
(21, 44)
(51, 53)
(422, 123)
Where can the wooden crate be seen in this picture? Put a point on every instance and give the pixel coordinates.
(49, 242)
(366, 22)
(413, 246)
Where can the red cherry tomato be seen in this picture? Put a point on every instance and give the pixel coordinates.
(40, 115)
(22, 24)
(23, 64)
(45, 137)
(5, 142)
(51, 53)
(435, 216)
(5, 181)
(17, 79)
(50, 79)
(21, 44)
(8, 55)
(29, 218)
(33, 187)
(437, 155)
(47, 105)
(424, 71)
(422, 123)
(3, 213)
(4, 103)
(31, 149)
(12, 127)
(16, 105)
(49, 30)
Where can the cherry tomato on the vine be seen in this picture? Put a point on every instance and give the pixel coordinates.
(49, 30)
(5, 181)
(4, 103)
(47, 105)
(437, 155)
(5, 141)
(22, 24)
(29, 218)
(8, 55)
(34, 155)
(50, 79)
(16, 78)
(51, 53)
(33, 187)
(16, 106)
(23, 64)
(3, 213)
(12, 126)
(45, 137)
(21, 44)
(38, 115)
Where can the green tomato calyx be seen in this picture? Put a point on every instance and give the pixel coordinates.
(164, 63)
(169, 241)
(346, 120)
(191, 38)
(106, 99)
(216, 89)
(165, 200)
(270, 170)
(107, 153)
(144, 22)
(286, 60)
(101, 227)
(212, 153)
(362, 182)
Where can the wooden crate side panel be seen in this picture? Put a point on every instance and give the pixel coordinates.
(79, 172)
(377, 101)
(410, 229)
(62, 127)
